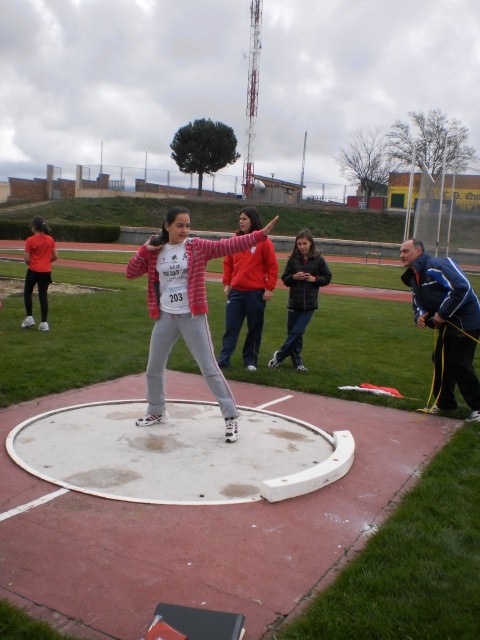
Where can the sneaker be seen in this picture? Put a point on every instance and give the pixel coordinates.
(302, 369)
(231, 430)
(43, 326)
(252, 368)
(150, 419)
(474, 416)
(273, 363)
(433, 410)
(28, 322)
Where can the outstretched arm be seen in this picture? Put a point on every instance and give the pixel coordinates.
(268, 227)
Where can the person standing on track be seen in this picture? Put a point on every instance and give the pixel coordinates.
(177, 301)
(39, 253)
(249, 279)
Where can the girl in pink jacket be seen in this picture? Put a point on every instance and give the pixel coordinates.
(177, 300)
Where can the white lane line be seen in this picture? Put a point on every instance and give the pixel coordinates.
(269, 404)
(30, 505)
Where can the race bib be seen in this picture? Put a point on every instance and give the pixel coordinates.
(175, 299)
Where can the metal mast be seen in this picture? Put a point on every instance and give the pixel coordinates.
(303, 167)
(256, 7)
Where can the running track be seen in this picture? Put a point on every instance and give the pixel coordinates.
(332, 289)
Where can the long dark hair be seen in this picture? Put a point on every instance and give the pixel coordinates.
(39, 224)
(170, 217)
(307, 234)
(254, 217)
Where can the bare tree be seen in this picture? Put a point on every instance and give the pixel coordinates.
(366, 161)
(433, 136)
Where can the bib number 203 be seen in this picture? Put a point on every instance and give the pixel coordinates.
(176, 297)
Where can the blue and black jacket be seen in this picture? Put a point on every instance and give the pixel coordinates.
(443, 287)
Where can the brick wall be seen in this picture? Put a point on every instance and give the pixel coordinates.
(32, 190)
(151, 187)
(36, 190)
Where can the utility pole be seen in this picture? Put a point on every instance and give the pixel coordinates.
(303, 167)
(256, 8)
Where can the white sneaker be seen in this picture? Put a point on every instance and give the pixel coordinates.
(474, 416)
(252, 368)
(302, 369)
(150, 419)
(231, 429)
(28, 322)
(273, 363)
(43, 326)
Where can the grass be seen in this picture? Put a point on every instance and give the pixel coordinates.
(386, 276)
(15, 624)
(349, 341)
(418, 575)
(220, 216)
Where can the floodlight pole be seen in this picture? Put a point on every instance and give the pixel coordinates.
(437, 244)
(302, 174)
(101, 167)
(450, 215)
(145, 176)
(406, 233)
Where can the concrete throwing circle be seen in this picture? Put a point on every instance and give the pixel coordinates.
(97, 449)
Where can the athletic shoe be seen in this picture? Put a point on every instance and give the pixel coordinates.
(474, 416)
(437, 411)
(43, 326)
(273, 363)
(252, 368)
(302, 369)
(231, 430)
(28, 322)
(150, 419)
(433, 410)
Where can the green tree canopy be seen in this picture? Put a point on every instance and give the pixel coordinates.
(203, 147)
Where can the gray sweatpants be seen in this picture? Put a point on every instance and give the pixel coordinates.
(196, 333)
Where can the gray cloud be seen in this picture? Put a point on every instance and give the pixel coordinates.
(129, 73)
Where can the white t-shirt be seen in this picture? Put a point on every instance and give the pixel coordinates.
(172, 271)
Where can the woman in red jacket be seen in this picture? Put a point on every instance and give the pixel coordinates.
(249, 279)
(39, 253)
(177, 301)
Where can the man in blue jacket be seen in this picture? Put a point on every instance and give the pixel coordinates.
(443, 298)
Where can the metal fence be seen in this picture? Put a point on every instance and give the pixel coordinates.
(134, 179)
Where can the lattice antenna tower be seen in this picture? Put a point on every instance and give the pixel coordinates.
(256, 8)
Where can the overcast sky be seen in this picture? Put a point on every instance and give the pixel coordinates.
(85, 79)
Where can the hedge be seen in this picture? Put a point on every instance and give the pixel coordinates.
(63, 232)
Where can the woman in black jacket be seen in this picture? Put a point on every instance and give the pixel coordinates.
(305, 272)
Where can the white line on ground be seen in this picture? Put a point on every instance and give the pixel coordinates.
(269, 404)
(30, 505)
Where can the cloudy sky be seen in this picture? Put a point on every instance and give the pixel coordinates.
(113, 80)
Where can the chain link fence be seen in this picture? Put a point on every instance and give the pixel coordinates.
(113, 178)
